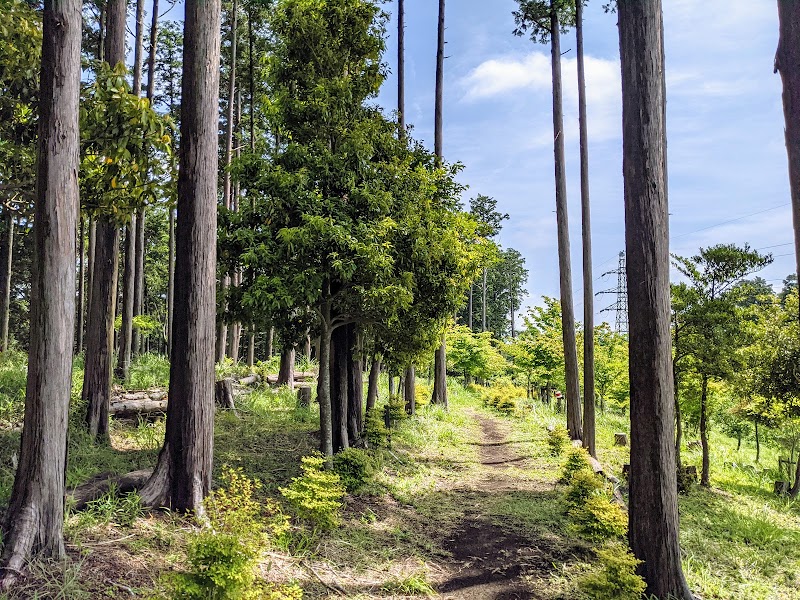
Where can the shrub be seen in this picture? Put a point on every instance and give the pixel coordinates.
(422, 394)
(557, 440)
(396, 409)
(599, 518)
(222, 557)
(355, 468)
(502, 398)
(374, 429)
(616, 578)
(315, 496)
(583, 485)
(577, 460)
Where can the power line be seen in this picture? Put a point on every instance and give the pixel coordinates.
(760, 212)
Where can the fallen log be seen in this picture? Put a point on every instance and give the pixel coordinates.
(128, 409)
(101, 484)
(298, 376)
(599, 470)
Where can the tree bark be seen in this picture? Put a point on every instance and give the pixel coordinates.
(5, 280)
(588, 275)
(34, 520)
(483, 300)
(411, 391)
(324, 386)
(100, 322)
(401, 68)
(251, 348)
(128, 293)
(573, 390)
(171, 281)
(270, 340)
(653, 515)
(787, 62)
(705, 472)
(440, 362)
(355, 395)
(222, 327)
(182, 476)
(372, 388)
(339, 387)
(286, 372)
(81, 284)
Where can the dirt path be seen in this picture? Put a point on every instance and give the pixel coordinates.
(490, 562)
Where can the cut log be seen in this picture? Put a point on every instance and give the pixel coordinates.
(99, 485)
(249, 380)
(128, 409)
(620, 439)
(304, 396)
(223, 393)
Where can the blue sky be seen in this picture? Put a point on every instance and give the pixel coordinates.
(727, 160)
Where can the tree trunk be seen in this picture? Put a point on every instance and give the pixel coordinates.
(469, 313)
(391, 385)
(401, 68)
(81, 284)
(355, 396)
(100, 322)
(182, 476)
(286, 372)
(128, 293)
(222, 327)
(758, 444)
(573, 389)
(251, 348)
(138, 49)
(5, 280)
(483, 301)
(339, 387)
(35, 515)
(324, 387)
(653, 515)
(440, 362)
(705, 473)
(372, 388)
(171, 281)
(270, 339)
(411, 391)
(588, 276)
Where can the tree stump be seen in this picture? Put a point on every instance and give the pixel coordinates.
(223, 393)
(620, 439)
(781, 488)
(304, 396)
(694, 444)
(626, 469)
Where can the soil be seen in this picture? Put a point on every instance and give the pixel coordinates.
(488, 561)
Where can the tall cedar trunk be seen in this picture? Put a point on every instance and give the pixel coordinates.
(182, 476)
(171, 280)
(235, 331)
(129, 269)
(705, 473)
(324, 385)
(391, 385)
(787, 62)
(588, 276)
(653, 516)
(286, 372)
(573, 390)
(35, 516)
(102, 310)
(340, 358)
(355, 393)
(401, 67)
(251, 348)
(138, 296)
(440, 361)
(222, 327)
(81, 284)
(676, 393)
(128, 291)
(7, 257)
(270, 340)
(469, 310)
(372, 388)
(411, 390)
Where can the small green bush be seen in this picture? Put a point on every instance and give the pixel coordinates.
(396, 409)
(616, 579)
(222, 557)
(355, 468)
(374, 430)
(557, 440)
(315, 496)
(577, 460)
(584, 485)
(502, 397)
(599, 518)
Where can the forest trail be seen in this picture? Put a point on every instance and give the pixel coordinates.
(490, 561)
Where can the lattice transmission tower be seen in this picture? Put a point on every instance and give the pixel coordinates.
(620, 305)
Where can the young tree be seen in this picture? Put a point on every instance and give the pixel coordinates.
(440, 361)
(34, 519)
(545, 21)
(182, 476)
(653, 516)
(712, 324)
